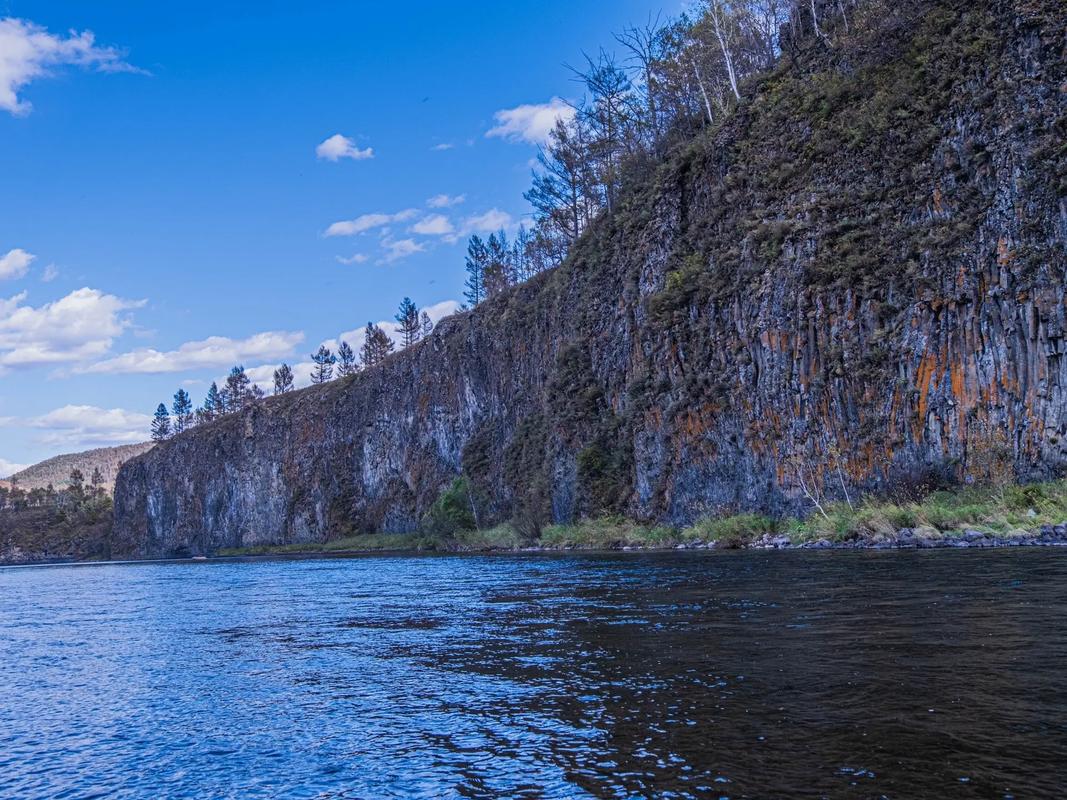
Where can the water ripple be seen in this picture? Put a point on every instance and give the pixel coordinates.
(616, 676)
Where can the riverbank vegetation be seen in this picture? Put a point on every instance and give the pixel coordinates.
(1004, 512)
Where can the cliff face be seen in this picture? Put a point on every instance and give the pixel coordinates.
(857, 281)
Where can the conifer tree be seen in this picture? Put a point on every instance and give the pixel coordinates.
(77, 479)
(324, 361)
(346, 361)
(496, 274)
(160, 424)
(97, 482)
(407, 319)
(239, 391)
(426, 324)
(477, 258)
(213, 403)
(183, 411)
(376, 346)
(283, 379)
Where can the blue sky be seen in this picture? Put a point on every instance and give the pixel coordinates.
(194, 185)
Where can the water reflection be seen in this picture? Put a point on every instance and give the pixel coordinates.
(677, 675)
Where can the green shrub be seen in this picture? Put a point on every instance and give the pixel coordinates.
(451, 512)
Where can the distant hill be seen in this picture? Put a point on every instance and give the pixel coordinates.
(56, 471)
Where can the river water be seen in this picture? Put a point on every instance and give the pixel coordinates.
(765, 675)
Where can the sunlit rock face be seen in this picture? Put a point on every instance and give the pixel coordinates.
(857, 283)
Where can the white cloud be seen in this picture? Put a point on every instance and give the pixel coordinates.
(9, 468)
(51, 272)
(433, 225)
(77, 327)
(263, 376)
(395, 250)
(358, 258)
(530, 123)
(338, 147)
(28, 51)
(78, 427)
(491, 221)
(445, 201)
(367, 222)
(215, 351)
(443, 146)
(15, 264)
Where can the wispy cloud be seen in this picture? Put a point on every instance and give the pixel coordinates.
(395, 250)
(358, 258)
(9, 468)
(445, 200)
(433, 225)
(77, 426)
(213, 352)
(28, 51)
(488, 222)
(338, 147)
(442, 146)
(367, 222)
(531, 122)
(15, 263)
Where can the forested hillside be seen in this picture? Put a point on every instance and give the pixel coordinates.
(56, 471)
(835, 269)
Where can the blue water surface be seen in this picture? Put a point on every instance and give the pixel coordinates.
(925, 674)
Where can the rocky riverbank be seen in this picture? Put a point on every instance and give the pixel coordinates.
(916, 539)
(904, 539)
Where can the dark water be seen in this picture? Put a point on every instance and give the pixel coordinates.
(900, 675)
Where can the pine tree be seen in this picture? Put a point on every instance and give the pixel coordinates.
(239, 392)
(213, 403)
(565, 193)
(97, 482)
(183, 411)
(283, 379)
(77, 478)
(376, 346)
(160, 424)
(324, 361)
(477, 258)
(427, 325)
(496, 274)
(407, 319)
(346, 361)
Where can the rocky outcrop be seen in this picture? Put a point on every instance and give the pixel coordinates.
(857, 283)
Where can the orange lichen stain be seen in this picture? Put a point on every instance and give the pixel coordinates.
(1005, 255)
(961, 276)
(927, 365)
(965, 400)
(939, 201)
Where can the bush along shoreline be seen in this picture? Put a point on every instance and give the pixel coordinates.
(1013, 516)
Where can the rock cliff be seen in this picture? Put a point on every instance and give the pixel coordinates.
(857, 281)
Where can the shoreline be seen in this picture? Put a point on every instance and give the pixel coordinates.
(402, 544)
